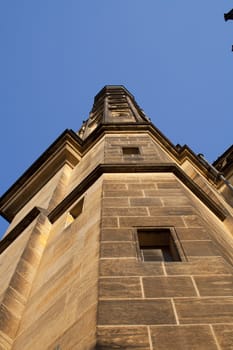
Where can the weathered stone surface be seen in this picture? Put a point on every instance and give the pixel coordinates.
(171, 211)
(175, 193)
(122, 338)
(20, 284)
(125, 212)
(135, 312)
(182, 338)
(51, 291)
(9, 322)
(14, 302)
(206, 310)
(224, 334)
(114, 187)
(129, 267)
(151, 221)
(109, 222)
(115, 202)
(65, 289)
(116, 250)
(170, 184)
(200, 248)
(187, 234)
(145, 202)
(112, 234)
(159, 287)
(10, 257)
(144, 186)
(209, 265)
(31, 338)
(178, 201)
(63, 244)
(214, 285)
(193, 221)
(128, 287)
(131, 193)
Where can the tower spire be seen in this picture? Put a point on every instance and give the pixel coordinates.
(114, 104)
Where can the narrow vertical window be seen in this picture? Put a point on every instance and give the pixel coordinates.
(157, 245)
(57, 347)
(75, 212)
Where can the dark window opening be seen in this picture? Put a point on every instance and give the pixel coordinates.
(157, 245)
(57, 347)
(77, 209)
(130, 150)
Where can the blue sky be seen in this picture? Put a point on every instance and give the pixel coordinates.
(174, 56)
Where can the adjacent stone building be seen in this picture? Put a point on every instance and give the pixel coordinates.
(118, 240)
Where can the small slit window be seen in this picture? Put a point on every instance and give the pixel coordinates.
(127, 151)
(157, 245)
(57, 347)
(75, 212)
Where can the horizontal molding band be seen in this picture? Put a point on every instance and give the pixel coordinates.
(89, 180)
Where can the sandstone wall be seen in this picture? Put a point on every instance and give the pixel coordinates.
(61, 309)
(160, 305)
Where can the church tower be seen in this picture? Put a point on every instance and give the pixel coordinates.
(118, 240)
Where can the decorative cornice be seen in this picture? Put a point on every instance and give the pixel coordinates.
(68, 148)
(224, 163)
(112, 169)
(133, 168)
(65, 150)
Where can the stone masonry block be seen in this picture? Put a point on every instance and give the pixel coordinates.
(214, 285)
(168, 184)
(158, 287)
(116, 250)
(178, 201)
(116, 234)
(135, 193)
(210, 265)
(143, 186)
(175, 193)
(110, 338)
(109, 222)
(224, 334)
(196, 233)
(206, 310)
(115, 202)
(182, 338)
(200, 248)
(135, 312)
(151, 221)
(171, 211)
(127, 287)
(114, 187)
(129, 267)
(125, 212)
(145, 202)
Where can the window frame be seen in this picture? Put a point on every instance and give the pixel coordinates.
(173, 236)
(131, 155)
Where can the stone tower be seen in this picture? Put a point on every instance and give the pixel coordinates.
(118, 240)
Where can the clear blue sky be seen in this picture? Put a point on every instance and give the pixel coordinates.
(174, 56)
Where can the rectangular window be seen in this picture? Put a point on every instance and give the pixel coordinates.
(127, 151)
(157, 244)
